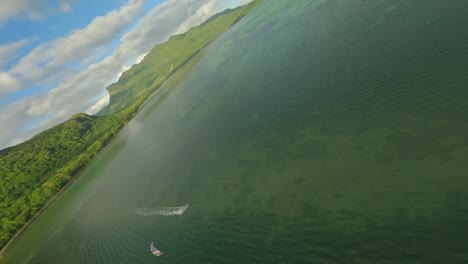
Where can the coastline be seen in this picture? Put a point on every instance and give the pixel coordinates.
(55, 196)
(73, 179)
(79, 173)
(193, 58)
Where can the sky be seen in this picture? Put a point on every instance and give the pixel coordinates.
(58, 56)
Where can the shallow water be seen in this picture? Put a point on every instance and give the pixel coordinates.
(311, 132)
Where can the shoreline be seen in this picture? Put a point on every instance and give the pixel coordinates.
(76, 176)
(63, 189)
(72, 180)
(179, 68)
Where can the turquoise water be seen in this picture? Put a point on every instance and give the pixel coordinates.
(311, 132)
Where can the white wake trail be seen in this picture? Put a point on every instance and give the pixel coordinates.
(165, 211)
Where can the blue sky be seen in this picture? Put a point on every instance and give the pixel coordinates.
(58, 56)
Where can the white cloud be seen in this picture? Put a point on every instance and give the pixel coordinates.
(202, 13)
(79, 91)
(8, 83)
(99, 104)
(65, 6)
(169, 18)
(9, 50)
(124, 68)
(140, 58)
(77, 47)
(12, 119)
(31, 9)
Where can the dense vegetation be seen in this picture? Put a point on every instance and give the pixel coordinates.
(33, 172)
(166, 58)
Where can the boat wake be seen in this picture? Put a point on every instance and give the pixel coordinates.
(164, 211)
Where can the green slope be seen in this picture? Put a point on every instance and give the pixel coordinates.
(166, 58)
(33, 172)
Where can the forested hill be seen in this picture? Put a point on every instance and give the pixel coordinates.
(32, 172)
(167, 58)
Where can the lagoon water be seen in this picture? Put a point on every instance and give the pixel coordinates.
(310, 132)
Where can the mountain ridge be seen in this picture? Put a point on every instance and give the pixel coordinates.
(34, 172)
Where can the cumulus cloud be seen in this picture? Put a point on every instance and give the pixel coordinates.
(101, 102)
(13, 118)
(169, 18)
(77, 47)
(8, 83)
(162, 22)
(84, 90)
(31, 9)
(9, 50)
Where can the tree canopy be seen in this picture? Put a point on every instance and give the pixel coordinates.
(33, 172)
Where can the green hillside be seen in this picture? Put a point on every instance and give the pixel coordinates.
(33, 172)
(166, 58)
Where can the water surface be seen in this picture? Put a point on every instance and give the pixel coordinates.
(311, 132)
